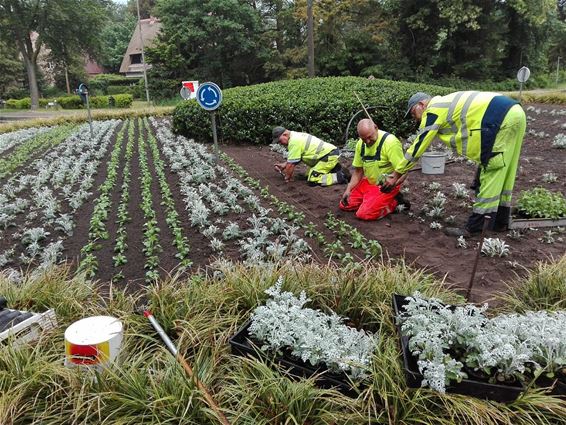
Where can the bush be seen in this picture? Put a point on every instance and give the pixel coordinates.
(24, 103)
(123, 100)
(320, 106)
(99, 102)
(543, 203)
(100, 83)
(70, 102)
(111, 90)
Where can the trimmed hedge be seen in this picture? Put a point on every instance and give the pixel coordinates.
(320, 106)
(75, 102)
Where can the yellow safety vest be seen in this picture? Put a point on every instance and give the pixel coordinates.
(307, 148)
(384, 156)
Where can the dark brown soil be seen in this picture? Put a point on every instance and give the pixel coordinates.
(408, 237)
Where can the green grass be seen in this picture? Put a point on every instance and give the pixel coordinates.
(147, 386)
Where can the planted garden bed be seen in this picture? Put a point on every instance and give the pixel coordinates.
(457, 349)
(306, 342)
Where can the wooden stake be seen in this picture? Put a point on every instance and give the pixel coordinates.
(364, 108)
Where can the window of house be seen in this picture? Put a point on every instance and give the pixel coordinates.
(136, 58)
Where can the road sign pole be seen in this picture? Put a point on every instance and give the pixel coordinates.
(89, 116)
(214, 136)
(520, 91)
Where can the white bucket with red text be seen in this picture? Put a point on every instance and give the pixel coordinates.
(93, 342)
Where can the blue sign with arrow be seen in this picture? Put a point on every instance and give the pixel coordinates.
(209, 96)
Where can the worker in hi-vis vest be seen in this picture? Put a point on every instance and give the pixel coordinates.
(487, 128)
(321, 157)
(377, 154)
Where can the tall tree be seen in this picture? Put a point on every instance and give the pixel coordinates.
(115, 37)
(212, 39)
(146, 8)
(67, 27)
(11, 69)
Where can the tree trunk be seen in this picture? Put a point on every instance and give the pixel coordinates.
(30, 62)
(67, 80)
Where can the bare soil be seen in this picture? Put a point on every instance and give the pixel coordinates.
(411, 238)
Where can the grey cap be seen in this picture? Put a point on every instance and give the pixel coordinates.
(416, 98)
(277, 132)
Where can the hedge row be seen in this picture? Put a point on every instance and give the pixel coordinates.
(320, 106)
(75, 102)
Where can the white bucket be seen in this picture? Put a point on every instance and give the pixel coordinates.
(433, 162)
(93, 342)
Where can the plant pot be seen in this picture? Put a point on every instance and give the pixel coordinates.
(557, 384)
(242, 344)
(470, 387)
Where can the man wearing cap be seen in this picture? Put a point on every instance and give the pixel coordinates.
(320, 156)
(377, 154)
(487, 128)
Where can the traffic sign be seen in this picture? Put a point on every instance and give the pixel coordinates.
(523, 74)
(185, 93)
(209, 96)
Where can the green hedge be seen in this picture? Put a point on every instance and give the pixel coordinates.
(100, 83)
(75, 102)
(320, 106)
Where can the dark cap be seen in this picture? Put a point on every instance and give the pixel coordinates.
(416, 98)
(277, 132)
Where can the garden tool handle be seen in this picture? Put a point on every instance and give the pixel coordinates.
(486, 220)
(188, 369)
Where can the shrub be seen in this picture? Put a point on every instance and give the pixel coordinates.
(540, 202)
(320, 106)
(70, 102)
(111, 90)
(99, 102)
(123, 100)
(24, 103)
(100, 84)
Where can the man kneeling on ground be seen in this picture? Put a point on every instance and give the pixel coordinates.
(378, 153)
(321, 157)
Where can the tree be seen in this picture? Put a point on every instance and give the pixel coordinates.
(146, 8)
(115, 37)
(67, 27)
(216, 40)
(11, 69)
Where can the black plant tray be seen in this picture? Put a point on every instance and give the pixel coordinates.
(242, 344)
(478, 389)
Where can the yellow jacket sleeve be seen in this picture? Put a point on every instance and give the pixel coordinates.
(427, 133)
(394, 152)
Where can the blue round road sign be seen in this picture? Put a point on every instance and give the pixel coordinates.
(209, 96)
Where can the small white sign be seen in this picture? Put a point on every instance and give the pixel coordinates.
(523, 74)
(191, 88)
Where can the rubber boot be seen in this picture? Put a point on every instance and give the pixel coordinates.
(502, 219)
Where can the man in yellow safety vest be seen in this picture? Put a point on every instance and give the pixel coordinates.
(321, 157)
(487, 128)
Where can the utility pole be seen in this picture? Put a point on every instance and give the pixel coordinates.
(143, 54)
(558, 68)
(310, 39)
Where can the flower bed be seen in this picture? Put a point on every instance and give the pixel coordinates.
(458, 349)
(306, 342)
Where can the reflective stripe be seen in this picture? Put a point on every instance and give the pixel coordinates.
(450, 119)
(479, 210)
(318, 149)
(409, 157)
(430, 127)
(309, 139)
(464, 126)
(487, 200)
(507, 192)
(334, 178)
(323, 179)
(505, 204)
(442, 104)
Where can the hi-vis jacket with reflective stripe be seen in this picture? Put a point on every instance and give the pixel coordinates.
(466, 121)
(384, 156)
(307, 148)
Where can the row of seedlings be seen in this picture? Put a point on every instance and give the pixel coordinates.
(172, 216)
(259, 237)
(32, 146)
(15, 138)
(123, 217)
(333, 250)
(151, 246)
(38, 205)
(102, 205)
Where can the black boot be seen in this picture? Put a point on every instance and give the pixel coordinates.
(502, 219)
(474, 225)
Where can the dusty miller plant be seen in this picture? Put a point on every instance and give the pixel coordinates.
(311, 335)
(494, 247)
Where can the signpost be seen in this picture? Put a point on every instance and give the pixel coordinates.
(82, 91)
(523, 75)
(209, 97)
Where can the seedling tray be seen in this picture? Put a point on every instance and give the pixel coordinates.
(470, 387)
(242, 344)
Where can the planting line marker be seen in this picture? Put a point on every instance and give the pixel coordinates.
(173, 350)
(486, 221)
(364, 108)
